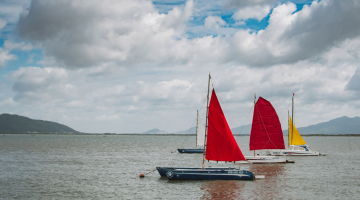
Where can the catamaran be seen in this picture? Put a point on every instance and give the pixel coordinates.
(297, 145)
(200, 137)
(266, 133)
(219, 146)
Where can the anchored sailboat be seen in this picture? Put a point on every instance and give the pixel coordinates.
(200, 137)
(297, 145)
(266, 133)
(219, 144)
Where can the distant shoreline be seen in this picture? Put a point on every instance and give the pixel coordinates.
(169, 134)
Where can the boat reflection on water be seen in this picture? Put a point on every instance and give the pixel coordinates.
(223, 189)
(269, 188)
(269, 170)
(272, 187)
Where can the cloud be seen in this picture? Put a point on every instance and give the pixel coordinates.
(77, 98)
(2, 23)
(291, 37)
(123, 62)
(32, 83)
(82, 34)
(10, 10)
(134, 33)
(81, 98)
(214, 22)
(256, 12)
(5, 57)
(12, 45)
(354, 83)
(250, 3)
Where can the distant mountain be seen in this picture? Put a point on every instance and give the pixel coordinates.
(155, 131)
(19, 124)
(341, 125)
(191, 130)
(245, 130)
(242, 130)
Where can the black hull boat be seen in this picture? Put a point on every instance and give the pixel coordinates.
(162, 170)
(191, 150)
(209, 174)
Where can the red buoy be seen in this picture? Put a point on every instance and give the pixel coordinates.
(142, 175)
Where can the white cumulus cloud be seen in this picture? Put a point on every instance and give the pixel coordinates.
(256, 12)
(214, 22)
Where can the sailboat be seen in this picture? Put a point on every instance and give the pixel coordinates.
(219, 145)
(266, 133)
(200, 137)
(297, 145)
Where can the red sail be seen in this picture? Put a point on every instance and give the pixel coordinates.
(266, 132)
(221, 144)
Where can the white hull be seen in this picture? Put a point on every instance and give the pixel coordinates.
(295, 150)
(265, 159)
(295, 153)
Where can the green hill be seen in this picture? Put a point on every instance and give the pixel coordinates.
(19, 124)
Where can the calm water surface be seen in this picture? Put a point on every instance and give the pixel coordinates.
(96, 167)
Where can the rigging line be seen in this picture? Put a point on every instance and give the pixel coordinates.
(242, 127)
(285, 113)
(212, 84)
(202, 103)
(188, 133)
(182, 146)
(187, 136)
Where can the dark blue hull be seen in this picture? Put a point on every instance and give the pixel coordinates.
(162, 170)
(232, 174)
(191, 150)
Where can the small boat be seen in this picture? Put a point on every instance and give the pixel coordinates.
(205, 174)
(219, 145)
(297, 145)
(266, 133)
(200, 137)
(162, 170)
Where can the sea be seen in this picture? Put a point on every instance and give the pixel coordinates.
(45, 166)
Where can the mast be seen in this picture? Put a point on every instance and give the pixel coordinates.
(292, 124)
(206, 127)
(254, 111)
(288, 130)
(197, 121)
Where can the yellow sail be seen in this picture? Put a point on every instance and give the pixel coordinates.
(295, 137)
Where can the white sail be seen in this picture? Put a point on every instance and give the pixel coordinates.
(200, 132)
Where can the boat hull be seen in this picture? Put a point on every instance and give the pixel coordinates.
(191, 150)
(295, 150)
(200, 174)
(162, 170)
(265, 159)
(295, 153)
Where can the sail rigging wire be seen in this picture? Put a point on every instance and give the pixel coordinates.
(187, 136)
(172, 163)
(285, 114)
(242, 127)
(213, 87)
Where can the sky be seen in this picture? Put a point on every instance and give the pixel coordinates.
(133, 65)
